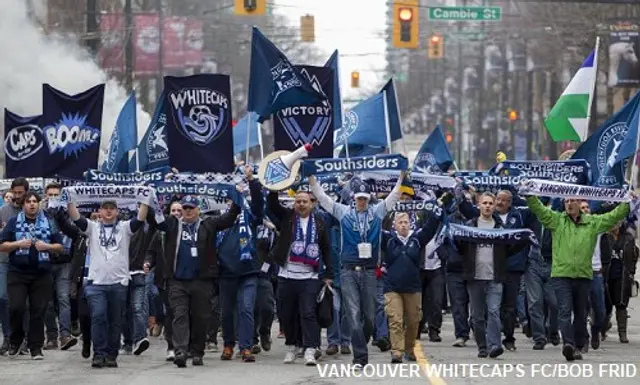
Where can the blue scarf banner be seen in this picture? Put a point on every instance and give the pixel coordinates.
(198, 110)
(71, 126)
(569, 171)
(295, 126)
(431, 206)
(245, 234)
(458, 232)
(553, 189)
(483, 181)
(38, 231)
(305, 248)
(23, 145)
(356, 164)
(214, 190)
(148, 178)
(385, 181)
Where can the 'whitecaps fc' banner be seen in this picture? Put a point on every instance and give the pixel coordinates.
(473, 234)
(566, 190)
(355, 164)
(569, 171)
(423, 184)
(148, 178)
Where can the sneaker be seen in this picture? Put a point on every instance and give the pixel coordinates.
(396, 358)
(539, 345)
(197, 361)
(13, 351)
(211, 347)
(265, 342)
(5, 347)
(36, 354)
(97, 362)
(24, 350)
(140, 346)
(318, 354)
(345, 349)
(67, 342)
(299, 352)
(509, 345)
(86, 350)
(180, 360)
(555, 339)
(51, 344)
(227, 353)
(595, 340)
(110, 362)
(497, 352)
(568, 351)
(171, 355)
(332, 350)
(256, 349)
(410, 356)
(290, 355)
(281, 335)
(247, 355)
(460, 343)
(310, 357)
(435, 337)
(126, 350)
(483, 353)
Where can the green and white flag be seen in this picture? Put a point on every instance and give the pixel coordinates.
(569, 117)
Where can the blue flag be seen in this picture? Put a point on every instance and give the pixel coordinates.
(364, 124)
(360, 150)
(23, 145)
(393, 110)
(199, 132)
(274, 83)
(434, 155)
(628, 147)
(153, 150)
(336, 102)
(123, 139)
(601, 148)
(71, 125)
(250, 123)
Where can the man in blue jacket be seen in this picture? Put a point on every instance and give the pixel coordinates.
(239, 269)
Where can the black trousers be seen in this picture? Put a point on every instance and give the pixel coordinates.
(509, 310)
(433, 288)
(190, 302)
(264, 310)
(297, 306)
(38, 289)
(84, 316)
(168, 318)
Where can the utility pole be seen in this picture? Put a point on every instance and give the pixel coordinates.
(160, 80)
(458, 121)
(529, 101)
(128, 48)
(93, 40)
(491, 141)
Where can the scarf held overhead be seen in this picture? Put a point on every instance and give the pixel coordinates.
(552, 189)
(455, 231)
(355, 164)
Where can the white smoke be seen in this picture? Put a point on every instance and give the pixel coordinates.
(29, 59)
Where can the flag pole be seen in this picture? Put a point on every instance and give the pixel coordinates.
(386, 121)
(634, 165)
(593, 86)
(246, 151)
(395, 93)
(260, 141)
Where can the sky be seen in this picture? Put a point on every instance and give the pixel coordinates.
(335, 29)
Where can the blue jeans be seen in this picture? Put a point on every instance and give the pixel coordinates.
(359, 288)
(107, 304)
(61, 281)
(134, 327)
(237, 300)
(459, 299)
(541, 299)
(382, 325)
(596, 302)
(485, 298)
(573, 297)
(4, 301)
(339, 333)
(521, 303)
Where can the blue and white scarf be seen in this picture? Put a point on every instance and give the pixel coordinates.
(305, 249)
(245, 235)
(477, 235)
(38, 231)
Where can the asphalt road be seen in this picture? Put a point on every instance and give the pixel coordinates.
(524, 366)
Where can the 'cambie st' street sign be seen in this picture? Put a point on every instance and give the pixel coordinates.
(466, 13)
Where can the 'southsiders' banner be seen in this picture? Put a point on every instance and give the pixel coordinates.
(148, 178)
(213, 190)
(566, 190)
(23, 145)
(293, 127)
(71, 126)
(198, 110)
(356, 164)
(569, 171)
(431, 206)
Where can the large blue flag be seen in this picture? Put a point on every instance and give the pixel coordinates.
(393, 110)
(198, 110)
(360, 150)
(601, 149)
(71, 125)
(364, 124)
(434, 155)
(628, 147)
(274, 83)
(336, 102)
(23, 145)
(153, 150)
(123, 139)
(249, 123)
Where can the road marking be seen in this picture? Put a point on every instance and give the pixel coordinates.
(424, 364)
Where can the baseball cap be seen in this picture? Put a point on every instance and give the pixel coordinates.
(190, 201)
(360, 190)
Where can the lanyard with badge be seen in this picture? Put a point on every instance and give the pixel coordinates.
(192, 229)
(364, 247)
(108, 243)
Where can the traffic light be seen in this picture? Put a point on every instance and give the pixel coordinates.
(448, 137)
(307, 28)
(406, 24)
(512, 115)
(250, 7)
(436, 47)
(355, 79)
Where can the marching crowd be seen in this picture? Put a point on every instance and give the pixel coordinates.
(116, 279)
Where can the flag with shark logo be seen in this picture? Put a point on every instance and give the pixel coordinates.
(153, 150)
(123, 139)
(198, 110)
(434, 155)
(364, 124)
(71, 126)
(293, 127)
(23, 145)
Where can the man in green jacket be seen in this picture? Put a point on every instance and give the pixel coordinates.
(574, 239)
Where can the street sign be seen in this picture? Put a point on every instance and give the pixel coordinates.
(465, 13)
(467, 35)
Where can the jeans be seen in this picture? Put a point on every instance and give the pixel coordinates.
(359, 288)
(134, 328)
(237, 301)
(541, 296)
(573, 297)
(297, 305)
(36, 288)
(382, 325)
(264, 310)
(4, 300)
(339, 333)
(596, 302)
(486, 297)
(107, 304)
(61, 281)
(433, 287)
(509, 313)
(459, 299)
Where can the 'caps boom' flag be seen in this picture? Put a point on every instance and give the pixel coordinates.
(123, 139)
(198, 110)
(298, 125)
(274, 83)
(71, 125)
(153, 150)
(23, 145)
(434, 155)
